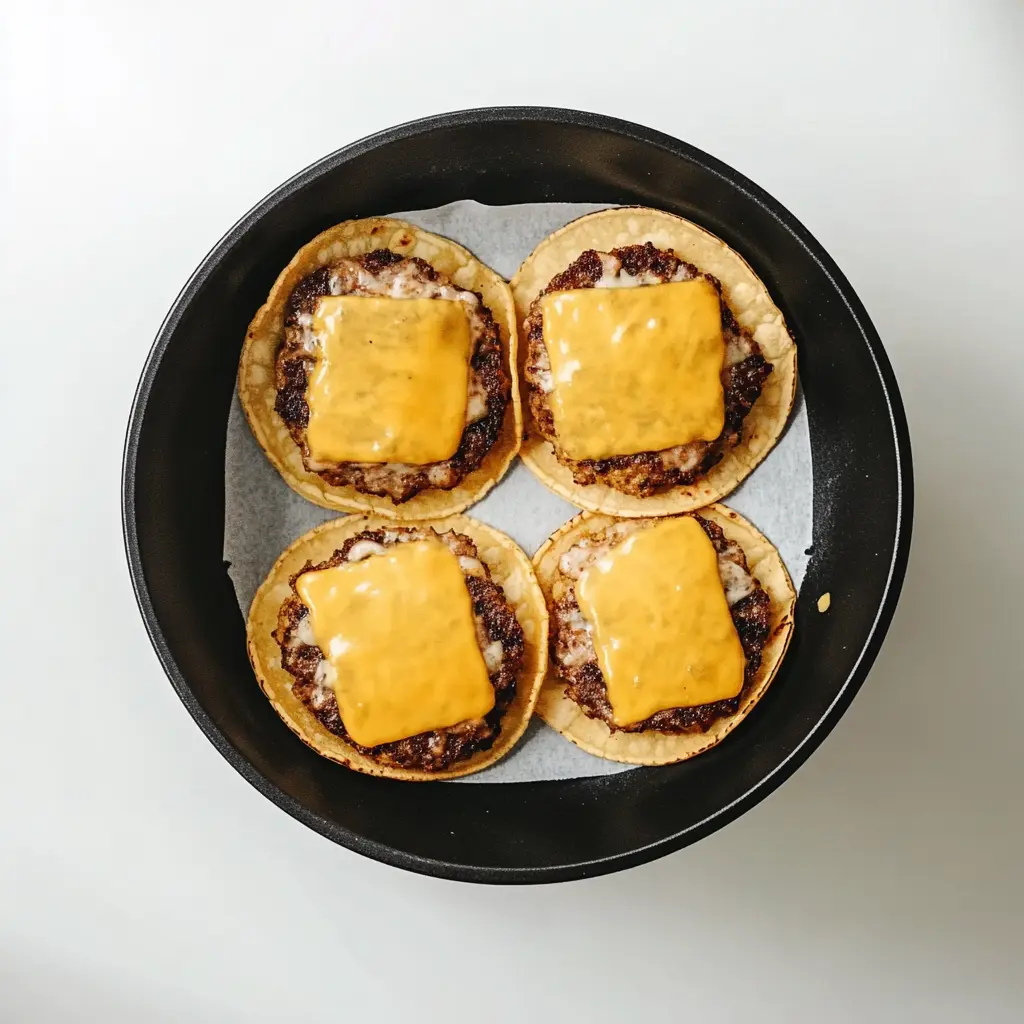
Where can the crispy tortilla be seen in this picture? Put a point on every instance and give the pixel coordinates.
(651, 748)
(510, 568)
(256, 370)
(753, 308)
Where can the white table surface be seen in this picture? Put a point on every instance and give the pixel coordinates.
(141, 879)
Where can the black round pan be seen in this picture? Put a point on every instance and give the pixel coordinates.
(173, 500)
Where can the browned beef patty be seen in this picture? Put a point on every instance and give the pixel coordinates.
(585, 683)
(495, 623)
(295, 361)
(646, 473)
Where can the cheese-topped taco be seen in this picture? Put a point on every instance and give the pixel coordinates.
(414, 651)
(657, 371)
(380, 374)
(664, 632)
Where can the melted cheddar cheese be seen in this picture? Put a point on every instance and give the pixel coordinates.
(661, 624)
(397, 629)
(390, 381)
(635, 369)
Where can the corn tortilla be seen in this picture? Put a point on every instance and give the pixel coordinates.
(650, 747)
(510, 568)
(256, 369)
(750, 303)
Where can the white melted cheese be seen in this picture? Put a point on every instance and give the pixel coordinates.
(303, 633)
(736, 580)
(541, 368)
(576, 641)
(684, 457)
(325, 678)
(615, 277)
(493, 653)
(470, 566)
(363, 549)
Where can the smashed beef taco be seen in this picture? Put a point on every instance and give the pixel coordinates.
(657, 371)
(414, 651)
(380, 374)
(664, 633)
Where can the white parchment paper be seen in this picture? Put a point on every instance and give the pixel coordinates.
(263, 515)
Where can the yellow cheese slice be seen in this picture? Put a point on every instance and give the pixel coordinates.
(661, 624)
(635, 369)
(397, 629)
(391, 379)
